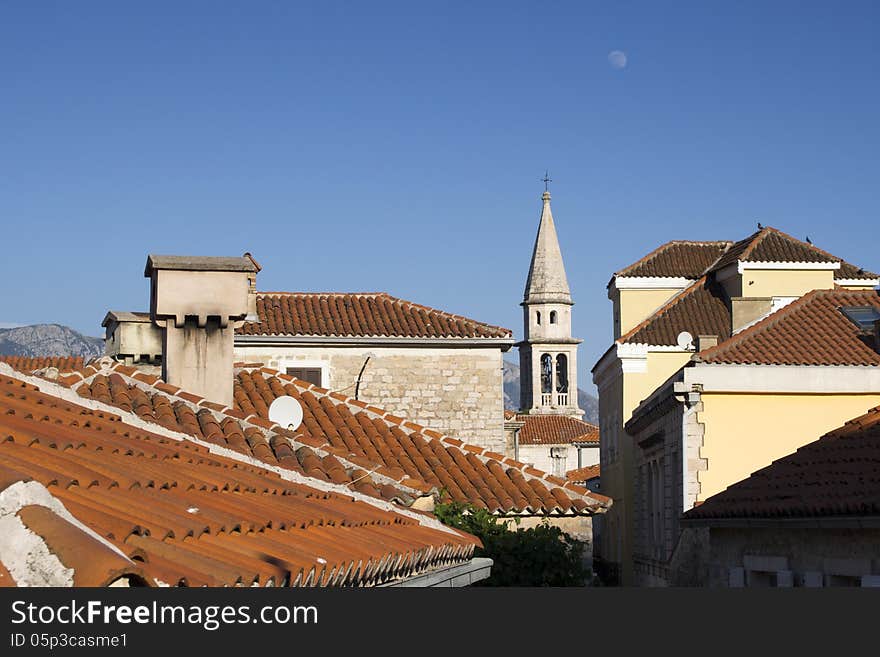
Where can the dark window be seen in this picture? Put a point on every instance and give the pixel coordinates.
(546, 373)
(552, 316)
(539, 317)
(561, 373)
(310, 374)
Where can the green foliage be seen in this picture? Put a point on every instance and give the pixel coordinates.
(539, 556)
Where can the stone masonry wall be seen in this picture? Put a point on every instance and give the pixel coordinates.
(457, 391)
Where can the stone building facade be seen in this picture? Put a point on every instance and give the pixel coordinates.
(455, 390)
(431, 367)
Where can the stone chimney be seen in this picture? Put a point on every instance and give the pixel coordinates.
(198, 301)
(252, 315)
(706, 342)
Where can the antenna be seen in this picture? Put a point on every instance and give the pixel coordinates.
(685, 340)
(287, 412)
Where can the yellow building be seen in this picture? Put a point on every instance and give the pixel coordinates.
(683, 298)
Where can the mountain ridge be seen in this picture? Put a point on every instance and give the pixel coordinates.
(48, 340)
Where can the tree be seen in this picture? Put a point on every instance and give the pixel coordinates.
(538, 556)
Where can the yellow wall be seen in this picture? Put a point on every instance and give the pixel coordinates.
(746, 432)
(639, 386)
(634, 306)
(617, 400)
(784, 282)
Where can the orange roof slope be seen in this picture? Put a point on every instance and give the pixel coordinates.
(809, 331)
(837, 475)
(556, 430)
(700, 309)
(175, 512)
(412, 454)
(677, 259)
(30, 364)
(359, 315)
(153, 400)
(341, 440)
(583, 474)
(772, 245)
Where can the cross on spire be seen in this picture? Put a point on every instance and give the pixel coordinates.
(547, 180)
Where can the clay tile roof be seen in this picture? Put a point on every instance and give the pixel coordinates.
(677, 258)
(93, 562)
(556, 430)
(135, 496)
(772, 245)
(852, 272)
(809, 331)
(413, 454)
(700, 309)
(583, 474)
(30, 364)
(837, 475)
(359, 315)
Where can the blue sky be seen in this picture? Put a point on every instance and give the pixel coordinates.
(399, 146)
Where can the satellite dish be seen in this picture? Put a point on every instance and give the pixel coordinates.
(685, 340)
(287, 412)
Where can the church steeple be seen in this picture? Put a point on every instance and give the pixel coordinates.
(547, 282)
(548, 352)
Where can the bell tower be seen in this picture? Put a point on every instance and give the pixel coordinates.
(548, 352)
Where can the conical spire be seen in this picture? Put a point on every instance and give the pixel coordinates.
(547, 282)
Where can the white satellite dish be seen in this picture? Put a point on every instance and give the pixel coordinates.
(287, 412)
(685, 340)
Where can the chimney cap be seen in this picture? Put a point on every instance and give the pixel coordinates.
(125, 316)
(198, 263)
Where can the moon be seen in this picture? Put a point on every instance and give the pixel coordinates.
(617, 59)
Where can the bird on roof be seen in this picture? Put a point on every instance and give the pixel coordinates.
(809, 241)
(760, 227)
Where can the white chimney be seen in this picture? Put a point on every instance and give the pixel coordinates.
(197, 301)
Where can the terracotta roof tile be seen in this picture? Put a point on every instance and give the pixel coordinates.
(466, 473)
(189, 515)
(678, 258)
(362, 438)
(93, 563)
(837, 475)
(583, 474)
(772, 245)
(700, 309)
(555, 430)
(29, 364)
(361, 315)
(809, 331)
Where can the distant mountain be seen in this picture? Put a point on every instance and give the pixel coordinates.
(48, 340)
(586, 401)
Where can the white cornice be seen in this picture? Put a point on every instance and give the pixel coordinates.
(804, 379)
(742, 266)
(858, 282)
(633, 357)
(650, 282)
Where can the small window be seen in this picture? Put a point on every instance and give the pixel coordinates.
(310, 374)
(538, 314)
(552, 316)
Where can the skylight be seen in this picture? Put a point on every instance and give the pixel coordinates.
(862, 316)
